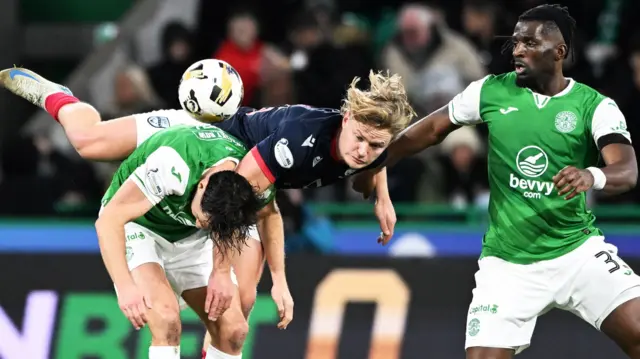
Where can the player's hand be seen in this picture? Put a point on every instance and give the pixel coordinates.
(282, 297)
(220, 291)
(387, 217)
(571, 181)
(134, 305)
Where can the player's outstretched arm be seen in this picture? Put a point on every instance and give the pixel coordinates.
(619, 174)
(383, 208)
(427, 132)
(127, 204)
(271, 230)
(621, 168)
(220, 288)
(424, 133)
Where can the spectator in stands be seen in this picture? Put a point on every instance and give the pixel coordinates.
(177, 49)
(464, 170)
(133, 93)
(481, 25)
(425, 45)
(321, 70)
(244, 50)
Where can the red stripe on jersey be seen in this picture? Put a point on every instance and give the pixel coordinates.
(262, 165)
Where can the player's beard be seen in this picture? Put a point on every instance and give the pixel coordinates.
(525, 80)
(534, 80)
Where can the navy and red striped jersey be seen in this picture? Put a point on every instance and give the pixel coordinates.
(295, 145)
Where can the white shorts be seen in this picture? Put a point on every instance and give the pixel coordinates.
(151, 122)
(187, 263)
(253, 233)
(590, 282)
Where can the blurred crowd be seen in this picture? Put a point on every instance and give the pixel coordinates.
(309, 54)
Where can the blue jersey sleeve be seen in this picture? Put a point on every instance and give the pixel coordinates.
(283, 151)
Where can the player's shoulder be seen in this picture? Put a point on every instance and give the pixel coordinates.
(587, 93)
(305, 120)
(507, 79)
(496, 88)
(492, 83)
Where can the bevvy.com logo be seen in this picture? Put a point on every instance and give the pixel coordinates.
(532, 162)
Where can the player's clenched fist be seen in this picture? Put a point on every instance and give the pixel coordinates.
(571, 181)
(134, 305)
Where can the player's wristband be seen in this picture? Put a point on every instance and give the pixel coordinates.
(599, 178)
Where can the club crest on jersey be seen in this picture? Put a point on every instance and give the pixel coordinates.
(159, 121)
(566, 121)
(283, 153)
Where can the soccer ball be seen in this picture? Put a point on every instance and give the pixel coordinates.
(211, 90)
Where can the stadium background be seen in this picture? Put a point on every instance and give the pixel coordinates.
(354, 298)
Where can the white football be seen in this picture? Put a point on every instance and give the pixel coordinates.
(211, 90)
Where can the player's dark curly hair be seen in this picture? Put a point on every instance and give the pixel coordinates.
(556, 18)
(232, 206)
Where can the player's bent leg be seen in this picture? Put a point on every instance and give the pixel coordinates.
(92, 138)
(623, 326)
(164, 315)
(607, 293)
(248, 268)
(146, 266)
(228, 333)
(96, 140)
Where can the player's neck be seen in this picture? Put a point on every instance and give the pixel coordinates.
(551, 86)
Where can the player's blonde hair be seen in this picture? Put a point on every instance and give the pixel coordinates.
(384, 105)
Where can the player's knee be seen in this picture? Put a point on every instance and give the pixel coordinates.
(85, 141)
(247, 301)
(234, 333)
(169, 326)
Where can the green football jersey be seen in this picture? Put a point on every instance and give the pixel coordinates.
(167, 168)
(531, 138)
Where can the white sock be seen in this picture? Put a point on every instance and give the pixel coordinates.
(213, 353)
(164, 352)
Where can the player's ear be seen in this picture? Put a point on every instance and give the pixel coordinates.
(561, 52)
(345, 118)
